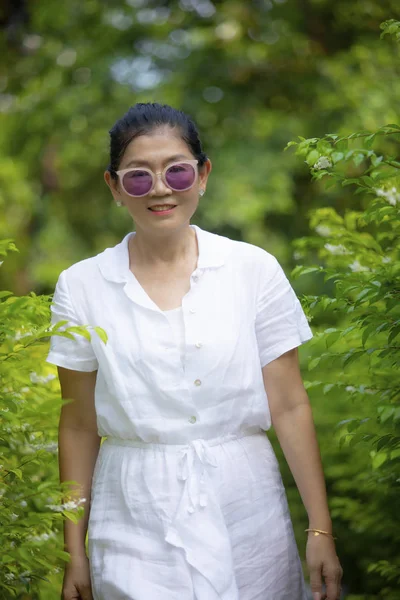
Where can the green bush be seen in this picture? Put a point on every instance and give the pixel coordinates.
(33, 502)
(359, 354)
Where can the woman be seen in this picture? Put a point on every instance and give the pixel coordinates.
(186, 497)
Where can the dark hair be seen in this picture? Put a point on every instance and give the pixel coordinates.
(142, 118)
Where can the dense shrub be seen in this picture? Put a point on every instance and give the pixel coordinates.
(33, 503)
(358, 251)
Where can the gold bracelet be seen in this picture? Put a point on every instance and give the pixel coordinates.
(318, 531)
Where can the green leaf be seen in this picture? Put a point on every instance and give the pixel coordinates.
(375, 160)
(289, 145)
(312, 157)
(386, 413)
(353, 425)
(369, 140)
(80, 330)
(337, 156)
(332, 337)
(383, 441)
(350, 357)
(378, 460)
(101, 333)
(17, 472)
(313, 363)
(327, 388)
(394, 332)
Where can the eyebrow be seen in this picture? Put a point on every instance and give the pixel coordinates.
(138, 161)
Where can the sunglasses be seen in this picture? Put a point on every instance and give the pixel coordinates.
(178, 176)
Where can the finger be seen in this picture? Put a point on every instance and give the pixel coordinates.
(332, 582)
(86, 592)
(316, 583)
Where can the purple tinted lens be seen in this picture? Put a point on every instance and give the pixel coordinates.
(180, 177)
(137, 183)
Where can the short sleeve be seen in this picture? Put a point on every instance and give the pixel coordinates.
(281, 323)
(76, 354)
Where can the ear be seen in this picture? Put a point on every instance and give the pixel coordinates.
(113, 185)
(204, 172)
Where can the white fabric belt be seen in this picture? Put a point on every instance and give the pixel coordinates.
(210, 555)
(194, 458)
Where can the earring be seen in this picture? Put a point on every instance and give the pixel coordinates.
(202, 192)
(118, 203)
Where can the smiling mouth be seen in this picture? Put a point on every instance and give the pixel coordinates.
(162, 208)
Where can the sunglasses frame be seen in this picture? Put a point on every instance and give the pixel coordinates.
(161, 174)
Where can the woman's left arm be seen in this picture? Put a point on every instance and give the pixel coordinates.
(293, 422)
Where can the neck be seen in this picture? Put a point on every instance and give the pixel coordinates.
(169, 249)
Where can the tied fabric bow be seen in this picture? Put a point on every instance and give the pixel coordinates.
(192, 468)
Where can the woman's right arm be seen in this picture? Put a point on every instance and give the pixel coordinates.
(78, 444)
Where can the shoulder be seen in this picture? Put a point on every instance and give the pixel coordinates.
(81, 272)
(248, 255)
(109, 264)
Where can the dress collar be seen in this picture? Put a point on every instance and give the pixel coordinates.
(114, 262)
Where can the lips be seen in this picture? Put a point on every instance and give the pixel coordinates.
(162, 206)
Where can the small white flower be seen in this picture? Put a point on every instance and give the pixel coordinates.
(14, 517)
(9, 576)
(23, 503)
(350, 388)
(339, 249)
(55, 507)
(70, 505)
(386, 259)
(323, 230)
(392, 195)
(356, 267)
(43, 537)
(35, 378)
(322, 163)
(26, 575)
(19, 335)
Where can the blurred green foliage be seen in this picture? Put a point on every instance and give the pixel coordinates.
(33, 502)
(254, 75)
(356, 359)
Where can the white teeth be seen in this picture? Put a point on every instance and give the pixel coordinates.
(161, 207)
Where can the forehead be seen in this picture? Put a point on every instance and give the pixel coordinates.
(156, 147)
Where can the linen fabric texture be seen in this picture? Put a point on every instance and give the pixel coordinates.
(187, 499)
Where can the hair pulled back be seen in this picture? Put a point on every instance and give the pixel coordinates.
(141, 119)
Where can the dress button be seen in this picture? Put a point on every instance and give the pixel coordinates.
(192, 419)
(198, 344)
(192, 310)
(197, 382)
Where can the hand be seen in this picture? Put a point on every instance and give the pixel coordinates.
(322, 561)
(76, 584)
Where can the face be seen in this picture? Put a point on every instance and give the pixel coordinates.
(155, 151)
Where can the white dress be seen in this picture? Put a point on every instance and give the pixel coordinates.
(187, 499)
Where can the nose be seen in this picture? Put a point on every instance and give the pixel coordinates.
(160, 189)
